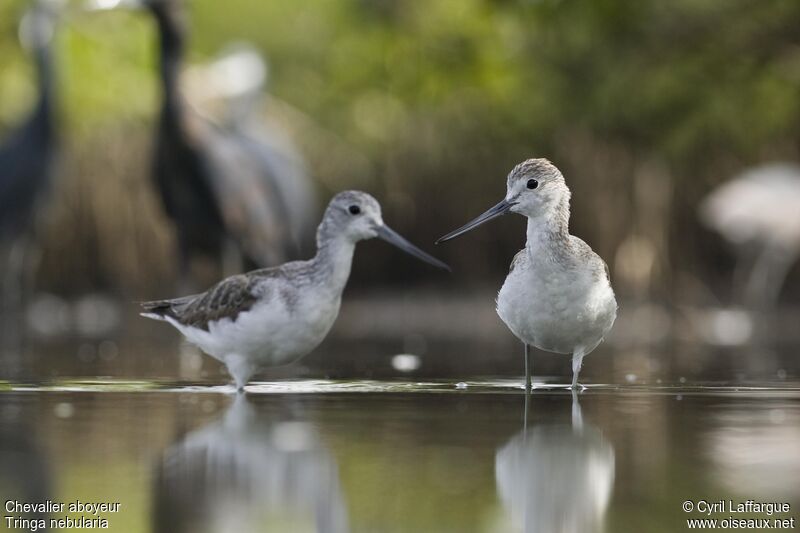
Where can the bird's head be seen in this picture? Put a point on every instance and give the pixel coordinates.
(356, 216)
(534, 188)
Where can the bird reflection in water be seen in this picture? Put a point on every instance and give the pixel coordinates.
(249, 471)
(556, 478)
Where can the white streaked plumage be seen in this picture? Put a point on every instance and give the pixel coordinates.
(557, 296)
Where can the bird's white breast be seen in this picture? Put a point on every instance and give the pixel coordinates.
(273, 332)
(555, 306)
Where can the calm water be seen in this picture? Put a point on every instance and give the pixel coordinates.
(365, 456)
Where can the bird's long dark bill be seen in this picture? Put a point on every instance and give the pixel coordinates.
(389, 235)
(500, 209)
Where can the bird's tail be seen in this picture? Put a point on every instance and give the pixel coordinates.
(164, 309)
(157, 309)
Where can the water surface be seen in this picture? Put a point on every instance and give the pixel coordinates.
(398, 456)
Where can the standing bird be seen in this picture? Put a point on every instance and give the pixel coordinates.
(557, 296)
(274, 316)
(215, 187)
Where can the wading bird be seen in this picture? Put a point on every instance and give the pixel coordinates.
(557, 296)
(274, 316)
(215, 186)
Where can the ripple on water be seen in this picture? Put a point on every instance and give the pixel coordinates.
(326, 386)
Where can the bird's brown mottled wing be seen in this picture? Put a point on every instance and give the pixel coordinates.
(226, 299)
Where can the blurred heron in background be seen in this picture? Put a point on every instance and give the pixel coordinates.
(230, 91)
(216, 186)
(27, 158)
(758, 212)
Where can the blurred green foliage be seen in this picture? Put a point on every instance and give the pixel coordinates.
(443, 97)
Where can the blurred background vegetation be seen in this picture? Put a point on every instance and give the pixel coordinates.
(645, 106)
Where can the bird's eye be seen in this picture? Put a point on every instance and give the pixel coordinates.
(354, 209)
(532, 184)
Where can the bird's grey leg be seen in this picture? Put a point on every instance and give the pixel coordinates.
(240, 369)
(528, 368)
(525, 415)
(577, 361)
(577, 413)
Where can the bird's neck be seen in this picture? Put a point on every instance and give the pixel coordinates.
(334, 257)
(548, 229)
(172, 39)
